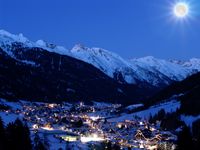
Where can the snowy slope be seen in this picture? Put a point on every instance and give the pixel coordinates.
(160, 70)
(193, 64)
(8, 118)
(169, 107)
(106, 61)
(189, 119)
(8, 38)
(154, 71)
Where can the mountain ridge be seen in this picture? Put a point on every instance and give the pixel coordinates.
(156, 72)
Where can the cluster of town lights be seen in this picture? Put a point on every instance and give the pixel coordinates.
(91, 138)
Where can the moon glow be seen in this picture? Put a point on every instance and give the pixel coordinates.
(181, 9)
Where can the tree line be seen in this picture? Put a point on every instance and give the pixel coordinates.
(16, 136)
(188, 138)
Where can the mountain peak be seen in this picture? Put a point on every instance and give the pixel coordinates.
(193, 63)
(148, 57)
(8, 36)
(79, 47)
(195, 60)
(42, 43)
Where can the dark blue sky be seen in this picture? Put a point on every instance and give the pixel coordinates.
(131, 28)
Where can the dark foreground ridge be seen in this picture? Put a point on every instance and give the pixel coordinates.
(38, 75)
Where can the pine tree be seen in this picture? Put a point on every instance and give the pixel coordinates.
(26, 137)
(116, 147)
(2, 135)
(67, 147)
(38, 145)
(46, 142)
(185, 139)
(161, 114)
(11, 136)
(108, 146)
(151, 120)
(18, 136)
(196, 133)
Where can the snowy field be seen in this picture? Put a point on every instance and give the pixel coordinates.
(7, 118)
(189, 119)
(145, 114)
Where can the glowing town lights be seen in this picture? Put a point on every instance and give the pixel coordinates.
(47, 128)
(35, 126)
(93, 137)
(52, 105)
(141, 123)
(81, 104)
(152, 129)
(119, 125)
(141, 146)
(69, 138)
(152, 147)
(57, 121)
(94, 118)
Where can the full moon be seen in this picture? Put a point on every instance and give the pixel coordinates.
(181, 10)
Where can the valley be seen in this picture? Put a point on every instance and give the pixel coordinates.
(89, 125)
(93, 99)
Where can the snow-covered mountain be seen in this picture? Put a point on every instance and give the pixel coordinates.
(161, 70)
(6, 40)
(108, 62)
(42, 71)
(192, 64)
(150, 70)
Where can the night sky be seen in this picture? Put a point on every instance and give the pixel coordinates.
(130, 28)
